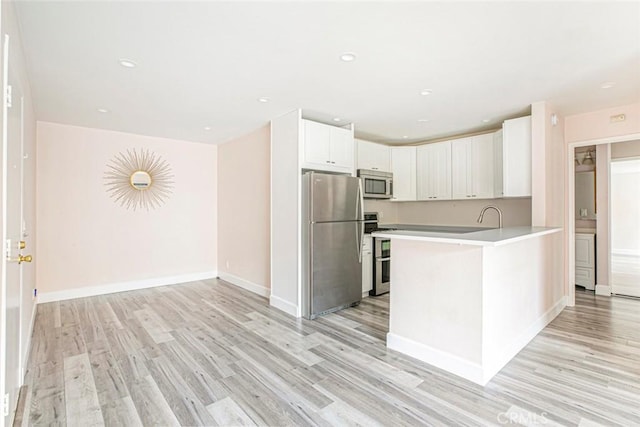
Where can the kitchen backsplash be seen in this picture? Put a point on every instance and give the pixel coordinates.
(516, 212)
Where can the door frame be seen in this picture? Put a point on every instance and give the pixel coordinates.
(571, 207)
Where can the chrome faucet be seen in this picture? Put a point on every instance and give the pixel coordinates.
(491, 207)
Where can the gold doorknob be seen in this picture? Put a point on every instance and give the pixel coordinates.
(25, 258)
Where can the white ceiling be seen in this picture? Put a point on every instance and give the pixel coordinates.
(206, 63)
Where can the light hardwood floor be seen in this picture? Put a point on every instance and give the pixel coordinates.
(208, 353)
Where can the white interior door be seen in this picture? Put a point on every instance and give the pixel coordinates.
(625, 227)
(12, 166)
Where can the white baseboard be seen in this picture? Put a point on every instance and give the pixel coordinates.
(604, 290)
(90, 291)
(285, 306)
(626, 252)
(438, 358)
(477, 373)
(494, 364)
(263, 291)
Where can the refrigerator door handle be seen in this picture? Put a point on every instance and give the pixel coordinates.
(360, 240)
(360, 217)
(360, 202)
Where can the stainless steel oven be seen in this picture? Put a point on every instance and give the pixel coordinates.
(376, 184)
(381, 266)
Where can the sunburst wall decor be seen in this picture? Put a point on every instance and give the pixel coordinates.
(138, 179)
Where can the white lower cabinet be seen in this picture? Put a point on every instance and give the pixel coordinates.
(586, 260)
(367, 265)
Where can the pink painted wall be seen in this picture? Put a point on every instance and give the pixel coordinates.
(244, 209)
(596, 124)
(85, 239)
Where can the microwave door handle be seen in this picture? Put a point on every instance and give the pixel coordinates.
(391, 188)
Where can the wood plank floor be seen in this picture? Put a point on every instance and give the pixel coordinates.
(208, 353)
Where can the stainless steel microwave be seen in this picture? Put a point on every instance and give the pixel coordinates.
(376, 184)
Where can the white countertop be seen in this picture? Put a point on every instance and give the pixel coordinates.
(490, 237)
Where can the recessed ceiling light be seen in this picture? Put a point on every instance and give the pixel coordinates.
(337, 119)
(207, 128)
(263, 99)
(405, 137)
(486, 120)
(423, 120)
(425, 92)
(127, 63)
(607, 85)
(102, 110)
(348, 57)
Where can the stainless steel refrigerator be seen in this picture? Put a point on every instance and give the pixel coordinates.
(333, 230)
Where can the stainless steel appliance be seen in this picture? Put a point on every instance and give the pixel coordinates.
(333, 230)
(377, 185)
(370, 222)
(381, 266)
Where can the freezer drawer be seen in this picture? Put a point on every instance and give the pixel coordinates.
(335, 270)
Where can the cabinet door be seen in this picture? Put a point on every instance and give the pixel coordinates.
(482, 170)
(434, 171)
(460, 165)
(341, 148)
(585, 250)
(317, 143)
(516, 153)
(498, 189)
(424, 185)
(374, 156)
(403, 165)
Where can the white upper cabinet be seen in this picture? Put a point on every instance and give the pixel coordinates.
(434, 171)
(327, 148)
(472, 167)
(513, 158)
(373, 156)
(403, 166)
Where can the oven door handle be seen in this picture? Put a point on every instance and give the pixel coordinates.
(383, 259)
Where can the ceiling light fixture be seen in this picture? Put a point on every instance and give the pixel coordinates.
(337, 119)
(207, 128)
(348, 57)
(607, 85)
(127, 63)
(263, 99)
(423, 120)
(102, 110)
(405, 137)
(425, 92)
(486, 120)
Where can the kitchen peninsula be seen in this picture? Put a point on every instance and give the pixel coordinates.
(469, 302)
